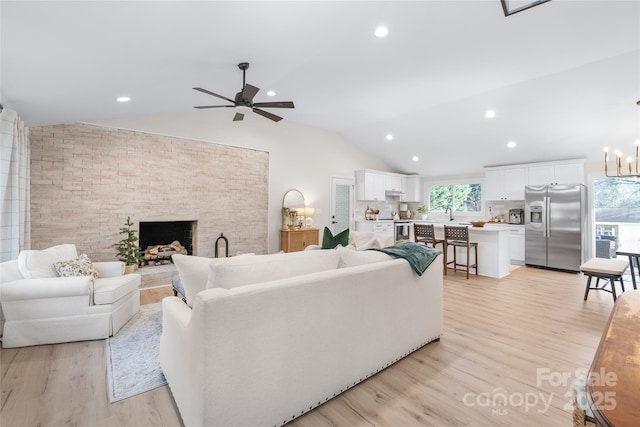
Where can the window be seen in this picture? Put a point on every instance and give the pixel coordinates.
(459, 197)
(617, 210)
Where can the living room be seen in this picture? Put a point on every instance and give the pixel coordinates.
(94, 161)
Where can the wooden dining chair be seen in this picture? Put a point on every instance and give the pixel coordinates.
(458, 237)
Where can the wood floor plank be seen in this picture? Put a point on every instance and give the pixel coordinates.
(514, 337)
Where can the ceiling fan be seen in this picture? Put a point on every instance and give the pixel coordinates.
(243, 102)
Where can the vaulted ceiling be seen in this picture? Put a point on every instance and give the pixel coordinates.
(563, 77)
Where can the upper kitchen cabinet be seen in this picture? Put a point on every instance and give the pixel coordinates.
(370, 185)
(411, 188)
(376, 185)
(570, 172)
(504, 183)
(392, 182)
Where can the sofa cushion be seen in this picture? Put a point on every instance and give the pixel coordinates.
(240, 271)
(361, 240)
(39, 264)
(329, 241)
(110, 289)
(352, 258)
(193, 271)
(80, 266)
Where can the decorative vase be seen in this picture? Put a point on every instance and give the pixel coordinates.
(368, 214)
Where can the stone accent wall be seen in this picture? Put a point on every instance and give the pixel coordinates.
(86, 180)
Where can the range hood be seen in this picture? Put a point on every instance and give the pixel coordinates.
(394, 193)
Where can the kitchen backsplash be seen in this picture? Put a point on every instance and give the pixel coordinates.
(499, 209)
(386, 208)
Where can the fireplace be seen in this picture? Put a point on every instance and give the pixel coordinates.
(161, 239)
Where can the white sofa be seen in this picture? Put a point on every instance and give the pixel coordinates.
(362, 240)
(39, 307)
(266, 341)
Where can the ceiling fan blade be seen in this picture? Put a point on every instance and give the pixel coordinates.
(212, 106)
(213, 94)
(275, 104)
(238, 117)
(267, 115)
(248, 92)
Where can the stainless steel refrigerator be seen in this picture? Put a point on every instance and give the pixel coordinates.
(555, 221)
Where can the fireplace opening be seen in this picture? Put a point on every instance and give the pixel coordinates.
(161, 239)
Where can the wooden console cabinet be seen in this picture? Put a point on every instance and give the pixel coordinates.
(298, 239)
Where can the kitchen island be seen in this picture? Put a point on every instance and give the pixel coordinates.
(493, 248)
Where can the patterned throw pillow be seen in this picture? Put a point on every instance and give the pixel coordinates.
(80, 266)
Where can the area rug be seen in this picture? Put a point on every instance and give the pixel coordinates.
(133, 366)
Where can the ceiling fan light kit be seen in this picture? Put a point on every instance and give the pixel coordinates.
(243, 101)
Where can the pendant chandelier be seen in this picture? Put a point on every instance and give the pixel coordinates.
(619, 173)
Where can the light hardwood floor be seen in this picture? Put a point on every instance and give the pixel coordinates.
(498, 334)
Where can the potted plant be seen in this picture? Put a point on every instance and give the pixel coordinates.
(422, 210)
(128, 250)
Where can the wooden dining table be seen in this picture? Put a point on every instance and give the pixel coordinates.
(613, 383)
(631, 249)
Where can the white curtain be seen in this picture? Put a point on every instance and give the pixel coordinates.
(15, 223)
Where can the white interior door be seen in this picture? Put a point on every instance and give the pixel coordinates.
(341, 204)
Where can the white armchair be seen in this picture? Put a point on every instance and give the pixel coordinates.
(39, 307)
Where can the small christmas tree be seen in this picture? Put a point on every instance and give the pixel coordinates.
(128, 250)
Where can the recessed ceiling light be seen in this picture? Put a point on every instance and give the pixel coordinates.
(389, 137)
(415, 158)
(271, 93)
(381, 32)
(490, 114)
(123, 99)
(511, 144)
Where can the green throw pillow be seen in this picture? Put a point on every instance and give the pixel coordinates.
(329, 241)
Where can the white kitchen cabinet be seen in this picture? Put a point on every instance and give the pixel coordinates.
(411, 188)
(516, 241)
(516, 245)
(370, 185)
(569, 173)
(384, 228)
(392, 182)
(504, 184)
(559, 173)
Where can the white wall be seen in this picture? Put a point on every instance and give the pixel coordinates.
(300, 156)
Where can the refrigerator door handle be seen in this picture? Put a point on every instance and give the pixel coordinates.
(547, 228)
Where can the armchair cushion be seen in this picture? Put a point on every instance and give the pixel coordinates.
(57, 287)
(80, 266)
(39, 264)
(108, 290)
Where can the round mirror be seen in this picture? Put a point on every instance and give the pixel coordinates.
(292, 206)
(293, 200)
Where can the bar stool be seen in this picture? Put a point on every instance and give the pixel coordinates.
(607, 269)
(458, 237)
(425, 233)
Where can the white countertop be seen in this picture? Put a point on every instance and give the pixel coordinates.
(491, 228)
(494, 226)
